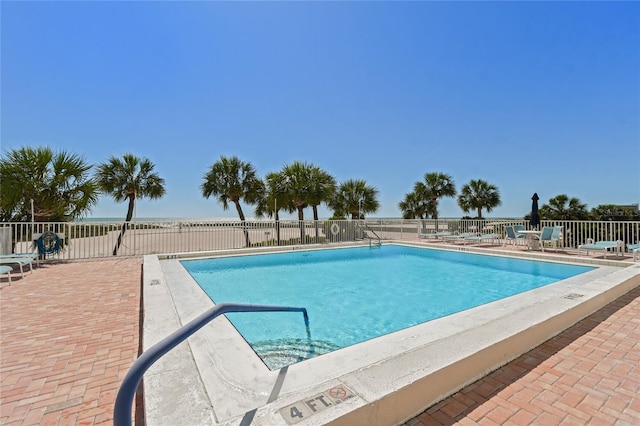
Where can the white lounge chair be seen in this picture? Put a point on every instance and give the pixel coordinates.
(434, 235)
(603, 246)
(20, 261)
(458, 237)
(481, 238)
(4, 269)
(635, 249)
(34, 255)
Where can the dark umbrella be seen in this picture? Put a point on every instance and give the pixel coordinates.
(535, 217)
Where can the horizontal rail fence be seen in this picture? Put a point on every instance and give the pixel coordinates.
(574, 233)
(86, 240)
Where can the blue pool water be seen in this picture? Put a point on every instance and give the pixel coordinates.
(355, 294)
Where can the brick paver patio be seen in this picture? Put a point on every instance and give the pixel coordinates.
(587, 375)
(70, 331)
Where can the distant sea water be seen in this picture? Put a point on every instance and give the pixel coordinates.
(100, 219)
(150, 219)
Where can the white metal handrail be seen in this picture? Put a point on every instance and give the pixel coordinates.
(124, 399)
(87, 240)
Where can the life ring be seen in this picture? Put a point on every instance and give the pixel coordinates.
(48, 243)
(335, 229)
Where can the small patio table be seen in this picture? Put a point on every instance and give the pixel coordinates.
(532, 243)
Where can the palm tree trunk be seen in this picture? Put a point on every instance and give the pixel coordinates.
(125, 225)
(244, 223)
(301, 220)
(278, 227)
(479, 212)
(315, 221)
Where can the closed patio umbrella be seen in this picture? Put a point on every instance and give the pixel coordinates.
(534, 221)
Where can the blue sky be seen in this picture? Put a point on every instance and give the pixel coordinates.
(530, 96)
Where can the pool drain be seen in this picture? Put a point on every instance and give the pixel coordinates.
(573, 296)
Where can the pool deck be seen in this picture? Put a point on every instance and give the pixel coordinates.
(70, 331)
(588, 374)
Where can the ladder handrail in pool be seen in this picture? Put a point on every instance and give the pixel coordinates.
(127, 391)
(364, 226)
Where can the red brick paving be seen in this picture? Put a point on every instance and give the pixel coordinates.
(69, 333)
(587, 375)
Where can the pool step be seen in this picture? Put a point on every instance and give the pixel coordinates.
(279, 353)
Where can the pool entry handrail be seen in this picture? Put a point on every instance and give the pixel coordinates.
(365, 227)
(126, 393)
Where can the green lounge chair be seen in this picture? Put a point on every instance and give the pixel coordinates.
(435, 235)
(481, 238)
(20, 261)
(34, 255)
(458, 237)
(4, 269)
(602, 246)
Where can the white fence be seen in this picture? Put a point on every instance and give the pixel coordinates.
(86, 240)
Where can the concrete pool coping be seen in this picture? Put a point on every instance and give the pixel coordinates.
(216, 378)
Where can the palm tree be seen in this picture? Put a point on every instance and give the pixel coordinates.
(58, 183)
(410, 207)
(296, 185)
(416, 204)
(614, 212)
(435, 186)
(129, 178)
(561, 207)
(232, 180)
(273, 200)
(428, 193)
(478, 194)
(321, 190)
(356, 198)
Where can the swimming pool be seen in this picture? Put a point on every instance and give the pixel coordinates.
(216, 377)
(357, 294)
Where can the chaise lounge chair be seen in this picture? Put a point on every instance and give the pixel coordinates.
(635, 249)
(4, 269)
(481, 238)
(435, 235)
(33, 255)
(458, 237)
(9, 260)
(603, 246)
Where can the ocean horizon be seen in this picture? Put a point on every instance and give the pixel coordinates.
(231, 218)
(149, 219)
